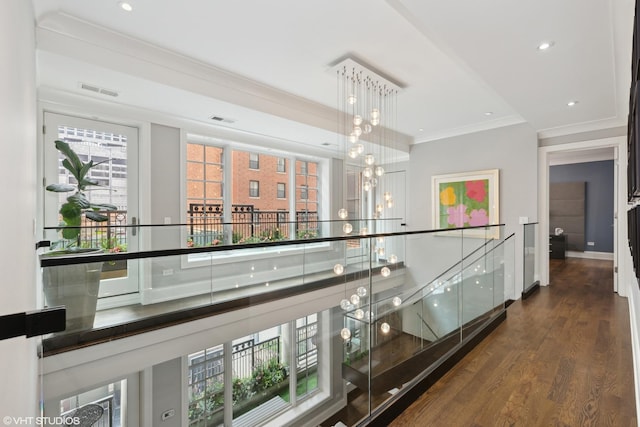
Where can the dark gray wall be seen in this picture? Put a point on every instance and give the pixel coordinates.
(599, 199)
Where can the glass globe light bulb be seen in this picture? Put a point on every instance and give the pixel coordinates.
(359, 314)
(385, 328)
(361, 291)
(351, 99)
(390, 203)
(387, 195)
(338, 269)
(393, 259)
(380, 251)
(385, 272)
(367, 128)
(360, 148)
(345, 333)
(374, 182)
(353, 153)
(380, 240)
(369, 159)
(375, 113)
(379, 207)
(363, 231)
(357, 131)
(347, 228)
(352, 138)
(355, 299)
(396, 301)
(379, 171)
(344, 304)
(366, 186)
(343, 213)
(367, 172)
(357, 120)
(375, 122)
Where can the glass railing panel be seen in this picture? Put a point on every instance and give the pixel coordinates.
(530, 253)
(510, 281)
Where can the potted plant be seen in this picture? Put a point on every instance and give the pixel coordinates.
(75, 286)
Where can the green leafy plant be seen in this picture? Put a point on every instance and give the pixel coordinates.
(77, 204)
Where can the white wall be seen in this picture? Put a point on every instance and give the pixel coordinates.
(511, 149)
(18, 372)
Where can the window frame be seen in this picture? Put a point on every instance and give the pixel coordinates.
(254, 164)
(284, 190)
(254, 190)
(248, 253)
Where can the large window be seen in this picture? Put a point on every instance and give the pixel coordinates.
(205, 188)
(260, 374)
(260, 200)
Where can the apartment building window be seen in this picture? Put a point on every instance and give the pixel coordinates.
(281, 165)
(304, 192)
(254, 188)
(304, 168)
(281, 191)
(254, 161)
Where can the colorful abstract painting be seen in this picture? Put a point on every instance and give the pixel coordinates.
(467, 199)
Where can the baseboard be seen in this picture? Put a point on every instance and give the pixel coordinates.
(591, 255)
(533, 288)
(634, 296)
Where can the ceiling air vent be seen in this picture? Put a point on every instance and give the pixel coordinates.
(98, 89)
(222, 119)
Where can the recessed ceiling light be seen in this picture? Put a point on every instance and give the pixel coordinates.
(126, 6)
(420, 130)
(572, 103)
(545, 45)
(488, 113)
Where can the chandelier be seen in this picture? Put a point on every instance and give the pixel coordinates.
(367, 118)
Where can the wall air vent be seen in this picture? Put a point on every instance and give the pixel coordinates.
(98, 89)
(222, 119)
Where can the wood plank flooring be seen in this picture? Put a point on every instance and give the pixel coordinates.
(561, 358)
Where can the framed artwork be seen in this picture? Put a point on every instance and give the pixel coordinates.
(466, 199)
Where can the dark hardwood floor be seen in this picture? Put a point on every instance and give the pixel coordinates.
(561, 358)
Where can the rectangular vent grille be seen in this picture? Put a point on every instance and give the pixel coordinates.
(222, 119)
(98, 89)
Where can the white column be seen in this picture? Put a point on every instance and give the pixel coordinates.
(18, 362)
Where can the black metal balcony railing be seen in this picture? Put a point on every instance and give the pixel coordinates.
(249, 225)
(206, 227)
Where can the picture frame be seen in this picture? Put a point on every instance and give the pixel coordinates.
(467, 199)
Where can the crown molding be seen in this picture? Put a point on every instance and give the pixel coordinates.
(68, 36)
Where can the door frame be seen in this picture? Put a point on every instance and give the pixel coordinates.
(85, 108)
(619, 144)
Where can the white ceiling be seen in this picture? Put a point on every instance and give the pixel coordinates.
(458, 59)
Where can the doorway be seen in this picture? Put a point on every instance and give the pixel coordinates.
(574, 152)
(114, 148)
